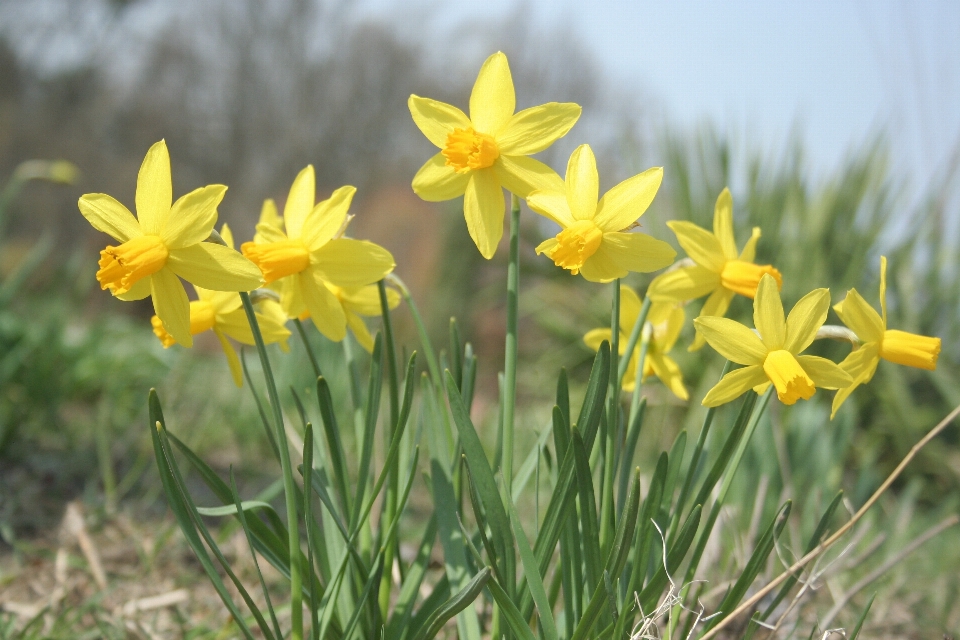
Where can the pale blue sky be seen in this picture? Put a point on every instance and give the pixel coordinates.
(835, 72)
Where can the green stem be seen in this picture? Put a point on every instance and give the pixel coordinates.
(613, 413)
(632, 341)
(306, 345)
(646, 336)
(390, 433)
(289, 488)
(510, 348)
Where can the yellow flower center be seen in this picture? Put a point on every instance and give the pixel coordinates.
(910, 349)
(744, 277)
(277, 259)
(121, 267)
(468, 149)
(575, 245)
(203, 317)
(786, 374)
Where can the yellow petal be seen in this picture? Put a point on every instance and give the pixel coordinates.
(215, 267)
(299, 201)
(583, 183)
(701, 245)
(291, 297)
(860, 365)
(824, 373)
(269, 214)
(681, 285)
(171, 305)
(768, 314)
(140, 290)
(669, 373)
(630, 305)
(552, 205)
(436, 181)
(674, 325)
(484, 207)
(154, 189)
(346, 262)
(360, 331)
(492, 101)
(436, 119)
(734, 385)
(109, 216)
(366, 300)
(749, 252)
(236, 370)
(325, 310)
(595, 337)
(547, 246)
(732, 340)
(883, 290)
(327, 218)
(860, 317)
(805, 319)
(723, 224)
(223, 301)
(267, 233)
(533, 130)
(620, 253)
(716, 305)
(790, 379)
(193, 217)
(227, 235)
(625, 203)
(522, 175)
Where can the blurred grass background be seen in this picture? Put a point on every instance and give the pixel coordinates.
(247, 95)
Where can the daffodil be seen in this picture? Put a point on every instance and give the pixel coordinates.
(310, 252)
(879, 342)
(773, 356)
(165, 243)
(482, 153)
(667, 321)
(222, 312)
(594, 241)
(718, 270)
(356, 301)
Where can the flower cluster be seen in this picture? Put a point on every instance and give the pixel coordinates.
(304, 258)
(487, 151)
(310, 269)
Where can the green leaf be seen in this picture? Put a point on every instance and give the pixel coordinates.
(534, 580)
(454, 605)
(231, 510)
(652, 592)
(818, 534)
(509, 612)
(756, 562)
(403, 608)
(335, 446)
(483, 479)
(371, 413)
(588, 512)
(862, 619)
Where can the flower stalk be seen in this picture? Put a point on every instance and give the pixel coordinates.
(510, 349)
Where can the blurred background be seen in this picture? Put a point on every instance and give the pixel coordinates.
(835, 124)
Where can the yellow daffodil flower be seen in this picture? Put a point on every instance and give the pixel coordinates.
(667, 321)
(594, 242)
(487, 151)
(363, 301)
(773, 356)
(309, 252)
(222, 312)
(164, 242)
(719, 271)
(879, 342)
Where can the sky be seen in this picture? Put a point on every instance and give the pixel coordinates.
(834, 73)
